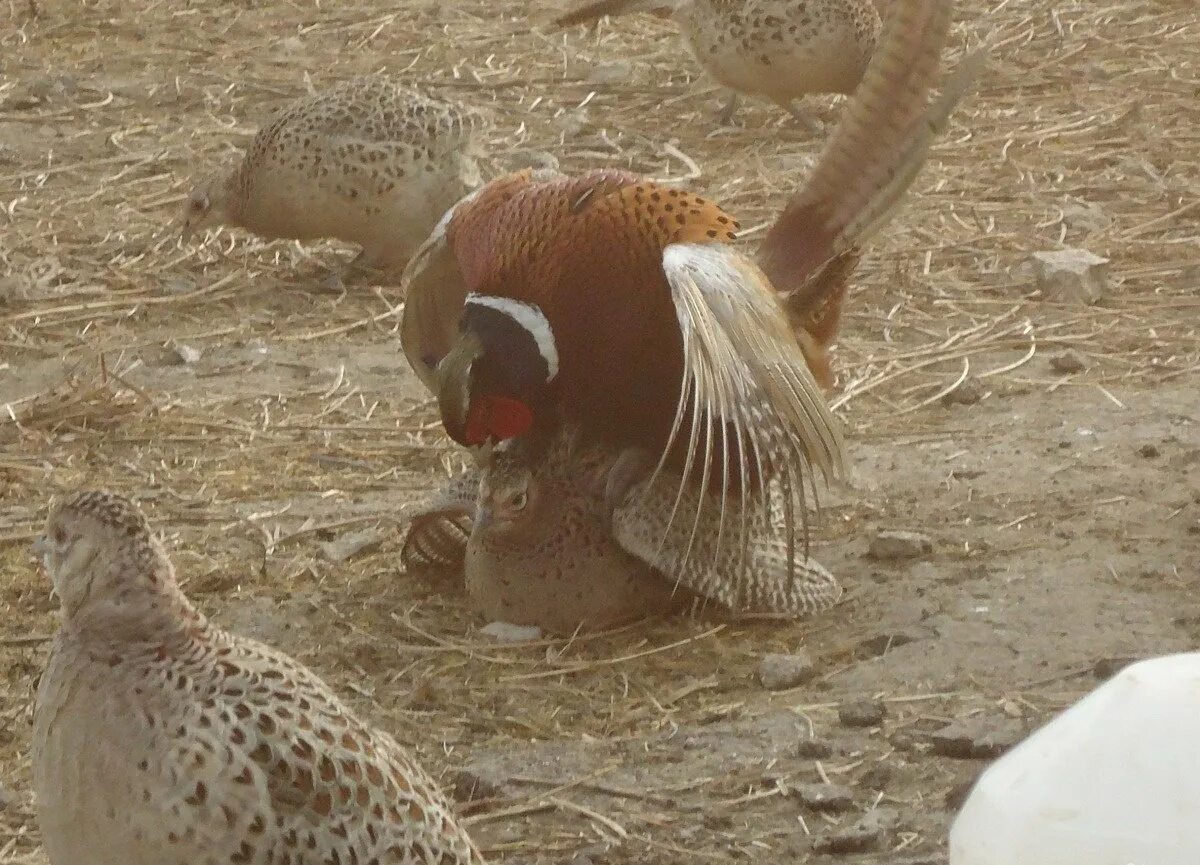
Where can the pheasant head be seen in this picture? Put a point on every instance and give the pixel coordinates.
(497, 377)
(209, 203)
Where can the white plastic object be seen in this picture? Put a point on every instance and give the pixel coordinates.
(1113, 780)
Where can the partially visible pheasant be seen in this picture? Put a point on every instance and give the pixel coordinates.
(617, 309)
(369, 161)
(160, 738)
(582, 539)
(780, 49)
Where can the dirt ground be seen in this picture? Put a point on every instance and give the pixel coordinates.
(257, 418)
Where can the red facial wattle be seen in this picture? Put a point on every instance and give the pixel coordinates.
(497, 418)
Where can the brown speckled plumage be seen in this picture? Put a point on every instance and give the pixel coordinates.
(161, 739)
(592, 541)
(780, 49)
(369, 161)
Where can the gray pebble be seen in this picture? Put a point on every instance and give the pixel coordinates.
(778, 671)
(871, 832)
(978, 738)
(349, 545)
(1068, 361)
(1106, 668)
(893, 545)
(471, 785)
(832, 798)
(862, 713)
(813, 749)
(968, 392)
(877, 777)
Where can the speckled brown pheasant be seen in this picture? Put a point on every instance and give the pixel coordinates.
(582, 539)
(780, 49)
(615, 309)
(370, 161)
(160, 738)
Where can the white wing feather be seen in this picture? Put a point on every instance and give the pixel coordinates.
(755, 410)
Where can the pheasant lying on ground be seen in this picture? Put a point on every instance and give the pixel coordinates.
(160, 738)
(369, 161)
(580, 539)
(614, 311)
(780, 49)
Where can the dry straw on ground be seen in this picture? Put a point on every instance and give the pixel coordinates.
(298, 422)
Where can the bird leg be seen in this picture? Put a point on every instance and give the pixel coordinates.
(800, 117)
(725, 117)
(361, 265)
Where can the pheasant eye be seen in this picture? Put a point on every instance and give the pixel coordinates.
(59, 535)
(519, 501)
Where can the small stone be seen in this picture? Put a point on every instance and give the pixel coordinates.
(718, 822)
(187, 354)
(957, 795)
(503, 632)
(595, 854)
(978, 738)
(349, 545)
(778, 671)
(1068, 361)
(1149, 451)
(871, 832)
(862, 713)
(891, 545)
(612, 72)
(1106, 668)
(881, 644)
(877, 777)
(1086, 217)
(968, 392)
(830, 798)
(470, 785)
(1074, 276)
(813, 749)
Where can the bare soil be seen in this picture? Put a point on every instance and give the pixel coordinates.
(1064, 507)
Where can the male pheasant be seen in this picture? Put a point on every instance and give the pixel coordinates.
(369, 161)
(160, 738)
(616, 307)
(780, 49)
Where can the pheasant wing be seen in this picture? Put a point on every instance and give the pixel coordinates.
(438, 529)
(435, 291)
(750, 417)
(755, 576)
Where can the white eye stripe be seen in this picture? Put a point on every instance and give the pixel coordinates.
(531, 319)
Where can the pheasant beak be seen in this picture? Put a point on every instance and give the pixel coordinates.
(454, 385)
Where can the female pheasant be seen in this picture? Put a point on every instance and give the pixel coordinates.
(369, 161)
(160, 738)
(616, 307)
(580, 539)
(780, 49)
